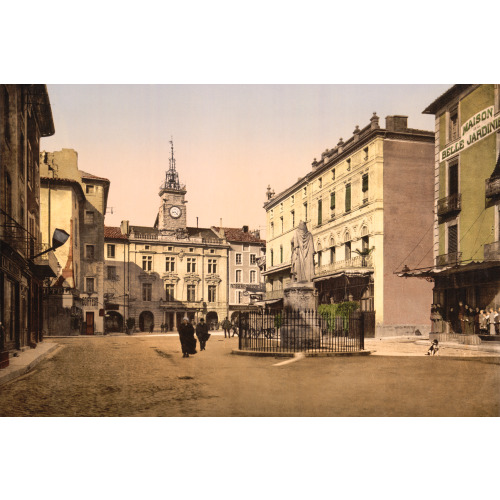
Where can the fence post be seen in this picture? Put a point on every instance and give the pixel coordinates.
(239, 331)
(362, 331)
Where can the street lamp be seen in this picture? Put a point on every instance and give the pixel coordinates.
(59, 238)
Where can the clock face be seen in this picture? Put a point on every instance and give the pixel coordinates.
(175, 212)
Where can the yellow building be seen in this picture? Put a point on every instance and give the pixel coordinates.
(75, 201)
(360, 203)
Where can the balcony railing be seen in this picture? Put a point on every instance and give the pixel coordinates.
(492, 251)
(144, 236)
(450, 204)
(175, 238)
(492, 187)
(358, 262)
(449, 259)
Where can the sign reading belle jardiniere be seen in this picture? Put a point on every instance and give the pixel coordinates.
(473, 130)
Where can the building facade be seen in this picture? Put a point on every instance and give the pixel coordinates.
(172, 270)
(25, 118)
(76, 202)
(245, 284)
(466, 270)
(367, 219)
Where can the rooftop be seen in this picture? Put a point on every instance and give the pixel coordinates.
(114, 233)
(450, 94)
(237, 234)
(86, 175)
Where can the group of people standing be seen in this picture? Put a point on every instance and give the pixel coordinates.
(465, 319)
(186, 336)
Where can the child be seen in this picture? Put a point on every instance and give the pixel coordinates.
(433, 349)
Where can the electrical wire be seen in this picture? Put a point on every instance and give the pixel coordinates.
(425, 234)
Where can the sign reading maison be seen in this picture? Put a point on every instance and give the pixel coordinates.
(476, 128)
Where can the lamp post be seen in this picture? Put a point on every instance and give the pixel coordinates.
(59, 238)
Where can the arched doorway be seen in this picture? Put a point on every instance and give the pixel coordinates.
(146, 321)
(113, 322)
(212, 320)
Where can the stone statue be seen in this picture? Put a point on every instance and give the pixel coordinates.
(303, 255)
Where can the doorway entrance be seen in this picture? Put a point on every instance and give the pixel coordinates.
(212, 320)
(146, 321)
(89, 323)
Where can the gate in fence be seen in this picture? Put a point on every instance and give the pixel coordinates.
(283, 330)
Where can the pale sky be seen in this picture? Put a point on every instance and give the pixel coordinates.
(230, 141)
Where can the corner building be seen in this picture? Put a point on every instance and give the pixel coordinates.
(467, 201)
(245, 283)
(75, 201)
(368, 203)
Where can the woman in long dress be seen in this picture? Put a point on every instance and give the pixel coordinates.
(186, 336)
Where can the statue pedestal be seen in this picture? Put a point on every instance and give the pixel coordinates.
(300, 329)
(299, 296)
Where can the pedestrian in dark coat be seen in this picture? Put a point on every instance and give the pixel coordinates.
(476, 321)
(186, 336)
(202, 333)
(226, 325)
(461, 318)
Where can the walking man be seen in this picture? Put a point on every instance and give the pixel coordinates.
(202, 333)
(226, 325)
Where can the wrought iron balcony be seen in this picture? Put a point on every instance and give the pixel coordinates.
(492, 187)
(359, 262)
(492, 251)
(449, 259)
(450, 204)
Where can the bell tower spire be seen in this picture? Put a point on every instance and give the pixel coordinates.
(172, 219)
(171, 176)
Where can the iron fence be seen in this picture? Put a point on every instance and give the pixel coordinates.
(284, 330)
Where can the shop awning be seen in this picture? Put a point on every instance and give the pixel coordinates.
(449, 270)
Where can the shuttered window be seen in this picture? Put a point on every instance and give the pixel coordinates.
(452, 239)
(365, 183)
(348, 198)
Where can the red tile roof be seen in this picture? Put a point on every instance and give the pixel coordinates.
(237, 234)
(114, 233)
(86, 175)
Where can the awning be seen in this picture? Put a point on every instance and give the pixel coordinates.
(450, 270)
(264, 303)
(349, 274)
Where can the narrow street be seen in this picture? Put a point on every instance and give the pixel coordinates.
(147, 376)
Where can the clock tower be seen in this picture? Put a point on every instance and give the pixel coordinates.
(172, 219)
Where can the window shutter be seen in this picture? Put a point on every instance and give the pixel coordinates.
(348, 198)
(365, 183)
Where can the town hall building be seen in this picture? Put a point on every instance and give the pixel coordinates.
(158, 275)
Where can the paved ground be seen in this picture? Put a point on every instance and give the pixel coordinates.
(147, 376)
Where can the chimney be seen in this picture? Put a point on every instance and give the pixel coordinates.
(396, 123)
(245, 229)
(124, 227)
